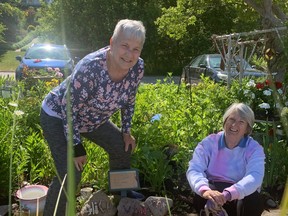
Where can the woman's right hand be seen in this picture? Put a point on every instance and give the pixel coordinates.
(80, 162)
(215, 196)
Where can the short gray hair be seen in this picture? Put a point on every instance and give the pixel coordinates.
(131, 29)
(244, 111)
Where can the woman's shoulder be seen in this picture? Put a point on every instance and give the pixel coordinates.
(99, 54)
(215, 136)
(253, 143)
(95, 58)
(212, 138)
(139, 64)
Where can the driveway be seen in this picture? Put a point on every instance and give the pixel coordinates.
(7, 73)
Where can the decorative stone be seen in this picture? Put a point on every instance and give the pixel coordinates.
(132, 207)
(159, 206)
(86, 192)
(98, 204)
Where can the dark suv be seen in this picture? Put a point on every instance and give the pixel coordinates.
(45, 57)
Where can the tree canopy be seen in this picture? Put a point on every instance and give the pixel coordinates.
(177, 30)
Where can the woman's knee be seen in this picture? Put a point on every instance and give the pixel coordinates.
(253, 204)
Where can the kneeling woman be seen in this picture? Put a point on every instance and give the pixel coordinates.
(227, 168)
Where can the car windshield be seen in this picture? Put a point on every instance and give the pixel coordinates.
(47, 52)
(215, 62)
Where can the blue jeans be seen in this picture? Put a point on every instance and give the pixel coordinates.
(108, 136)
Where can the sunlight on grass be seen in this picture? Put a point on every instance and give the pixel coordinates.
(8, 60)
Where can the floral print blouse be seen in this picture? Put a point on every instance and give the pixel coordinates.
(94, 96)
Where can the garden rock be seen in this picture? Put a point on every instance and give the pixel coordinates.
(98, 204)
(132, 207)
(159, 206)
(153, 206)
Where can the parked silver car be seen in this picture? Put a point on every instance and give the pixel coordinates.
(210, 65)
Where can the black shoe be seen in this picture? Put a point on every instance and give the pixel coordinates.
(135, 195)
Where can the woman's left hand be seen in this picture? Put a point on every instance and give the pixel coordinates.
(80, 162)
(129, 140)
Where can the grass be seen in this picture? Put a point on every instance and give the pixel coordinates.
(8, 61)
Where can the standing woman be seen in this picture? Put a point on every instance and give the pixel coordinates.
(102, 83)
(227, 168)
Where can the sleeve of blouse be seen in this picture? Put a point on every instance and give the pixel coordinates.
(195, 174)
(128, 111)
(81, 84)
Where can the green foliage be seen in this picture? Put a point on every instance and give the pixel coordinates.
(97, 167)
(186, 118)
(208, 18)
(275, 147)
(10, 17)
(164, 145)
(154, 167)
(2, 29)
(171, 22)
(271, 134)
(29, 165)
(26, 41)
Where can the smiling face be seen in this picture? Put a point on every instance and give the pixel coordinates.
(235, 128)
(124, 52)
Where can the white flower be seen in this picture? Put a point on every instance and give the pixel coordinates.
(18, 112)
(264, 106)
(284, 111)
(277, 105)
(286, 103)
(246, 92)
(13, 104)
(251, 83)
(280, 91)
(267, 92)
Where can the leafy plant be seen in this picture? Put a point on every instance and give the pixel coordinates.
(155, 168)
(266, 98)
(168, 123)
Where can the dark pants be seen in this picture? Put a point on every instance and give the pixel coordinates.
(108, 136)
(252, 205)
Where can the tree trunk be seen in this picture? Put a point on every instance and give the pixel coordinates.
(272, 17)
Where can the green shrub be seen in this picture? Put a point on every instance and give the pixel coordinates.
(26, 41)
(164, 146)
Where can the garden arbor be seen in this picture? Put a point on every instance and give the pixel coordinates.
(243, 45)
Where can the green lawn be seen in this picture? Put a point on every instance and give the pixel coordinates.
(8, 61)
